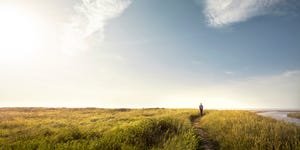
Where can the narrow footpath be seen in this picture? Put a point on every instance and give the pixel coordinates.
(206, 142)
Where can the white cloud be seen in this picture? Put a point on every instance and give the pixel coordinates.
(292, 73)
(197, 62)
(229, 72)
(220, 13)
(90, 19)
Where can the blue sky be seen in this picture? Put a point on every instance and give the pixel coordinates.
(156, 53)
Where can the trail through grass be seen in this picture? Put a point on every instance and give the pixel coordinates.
(96, 129)
(141, 129)
(206, 142)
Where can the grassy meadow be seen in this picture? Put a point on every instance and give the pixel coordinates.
(46, 128)
(247, 130)
(141, 129)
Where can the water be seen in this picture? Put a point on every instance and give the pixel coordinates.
(280, 115)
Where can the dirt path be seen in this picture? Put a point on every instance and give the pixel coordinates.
(206, 142)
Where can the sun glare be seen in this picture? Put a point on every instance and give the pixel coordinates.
(19, 34)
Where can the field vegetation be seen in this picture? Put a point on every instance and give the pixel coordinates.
(247, 130)
(140, 129)
(294, 115)
(91, 128)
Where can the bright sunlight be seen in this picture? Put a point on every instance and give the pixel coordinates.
(19, 36)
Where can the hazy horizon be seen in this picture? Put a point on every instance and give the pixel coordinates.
(158, 53)
(91, 107)
(155, 107)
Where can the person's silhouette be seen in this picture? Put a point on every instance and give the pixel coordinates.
(201, 109)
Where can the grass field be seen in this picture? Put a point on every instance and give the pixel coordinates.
(103, 129)
(247, 130)
(294, 115)
(41, 128)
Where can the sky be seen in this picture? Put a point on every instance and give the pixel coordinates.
(228, 54)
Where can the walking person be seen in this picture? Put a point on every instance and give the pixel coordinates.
(201, 109)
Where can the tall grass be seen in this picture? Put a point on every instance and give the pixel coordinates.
(139, 129)
(103, 129)
(246, 130)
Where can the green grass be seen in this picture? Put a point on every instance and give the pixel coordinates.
(247, 130)
(42, 128)
(294, 115)
(140, 129)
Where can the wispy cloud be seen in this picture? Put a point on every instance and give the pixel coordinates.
(221, 13)
(196, 62)
(90, 19)
(292, 73)
(229, 72)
